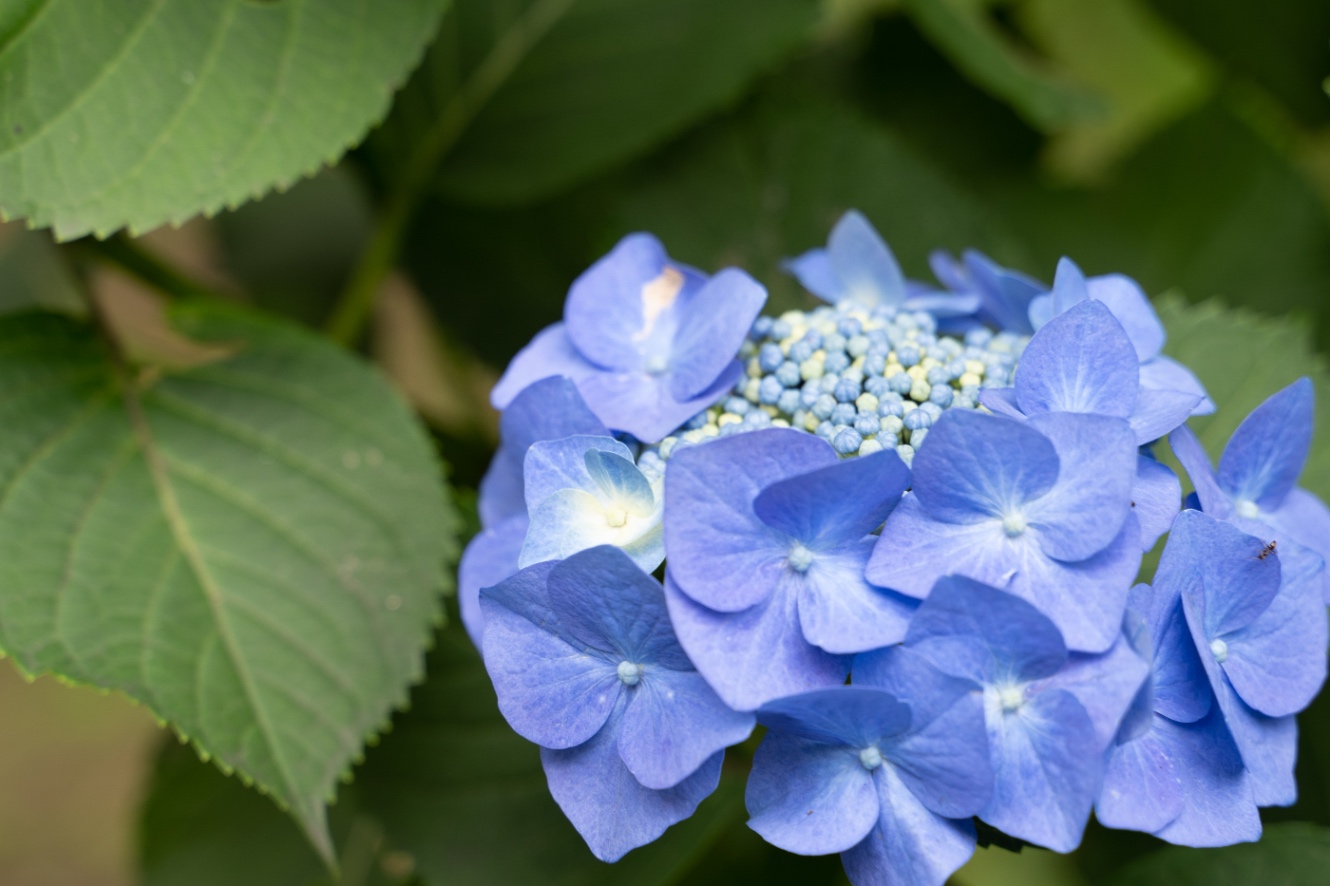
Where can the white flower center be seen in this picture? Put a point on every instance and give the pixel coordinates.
(1014, 525)
(1247, 509)
(870, 758)
(1011, 697)
(1219, 649)
(800, 558)
(630, 673)
(615, 517)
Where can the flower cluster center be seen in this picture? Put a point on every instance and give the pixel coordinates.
(870, 757)
(1219, 649)
(630, 673)
(800, 558)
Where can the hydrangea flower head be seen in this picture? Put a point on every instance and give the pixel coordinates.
(886, 772)
(1040, 508)
(767, 536)
(1050, 714)
(1259, 470)
(585, 491)
(857, 266)
(586, 665)
(648, 342)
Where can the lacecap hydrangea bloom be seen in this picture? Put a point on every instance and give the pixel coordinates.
(903, 531)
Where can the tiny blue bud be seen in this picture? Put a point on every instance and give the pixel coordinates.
(978, 337)
(757, 419)
(737, 405)
(901, 382)
(825, 430)
(938, 375)
(875, 363)
(823, 406)
(907, 355)
(917, 437)
(890, 407)
(916, 419)
(847, 390)
(781, 330)
(934, 411)
(801, 350)
(834, 343)
(942, 395)
(844, 413)
(770, 356)
(769, 390)
(877, 386)
(789, 400)
(698, 421)
(857, 346)
(814, 339)
(849, 327)
(837, 361)
(847, 441)
(788, 374)
(761, 328)
(868, 425)
(808, 394)
(827, 383)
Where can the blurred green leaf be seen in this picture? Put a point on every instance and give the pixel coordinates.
(1287, 855)
(550, 91)
(465, 796)
(136, 113)
(33, 274)
(1043, 96)
(1242, 358)
(252, 547)
(772, 182)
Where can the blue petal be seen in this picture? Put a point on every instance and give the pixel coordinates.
(612, 811)
(1046, 766)
(1223, 574)
(910, 843)
(974, 631)
(624, 305)
(1069, 288)
(1277, 663)
(1141, 790)
(840, 503)
(572, 520)
(489, 558)
(814, 271)
(1104, 684)
(943, 757)
(1214, 501)
(555, 465)
(943, 305)
(841, 612)
(673, 724)
(914, 551)
(1305, 520)
(620, 481)
(1218, 796)
(809, 797)
(950, 272)
(720, 553)
(1001, 401)
(550, 692)
(1130, 305)
(864, 264)
(1087, 507)
(547, 410)
(753, 656)
(851, 716)
(1158, 412)
(1265, 455)
(1181, 689)
(1156, 498)
(604, 602)
(1082, 361)
(712, 326)
(641, 403)
(1166, 374)
(550, 353)
(1006, 293)
(979, 466)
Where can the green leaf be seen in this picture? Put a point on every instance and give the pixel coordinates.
(457, 789)
(772, 182)
(140, 112)
(543, 93)
(253, 547)
(962, 30)
(1287, 855)
(1242, 358)
(34, 274)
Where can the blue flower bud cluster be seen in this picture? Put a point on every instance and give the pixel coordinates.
(904, 533)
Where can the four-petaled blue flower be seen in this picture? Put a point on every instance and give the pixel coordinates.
(585, 665)
(1258, 623)
(649, 342)
(585, 491)
(1050, 714)
(1041, 508)
(886, 772)
(1258, 473)
(767, 535)
(550, 409)
(858, 266)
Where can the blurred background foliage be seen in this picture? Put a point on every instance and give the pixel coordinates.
(1183, 142)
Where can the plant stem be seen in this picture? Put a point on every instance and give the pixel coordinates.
(358, 298)
(133, 258)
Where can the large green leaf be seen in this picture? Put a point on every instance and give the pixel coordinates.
(253, 548)
(1287, 855)
(139, 112)
(542, 93)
